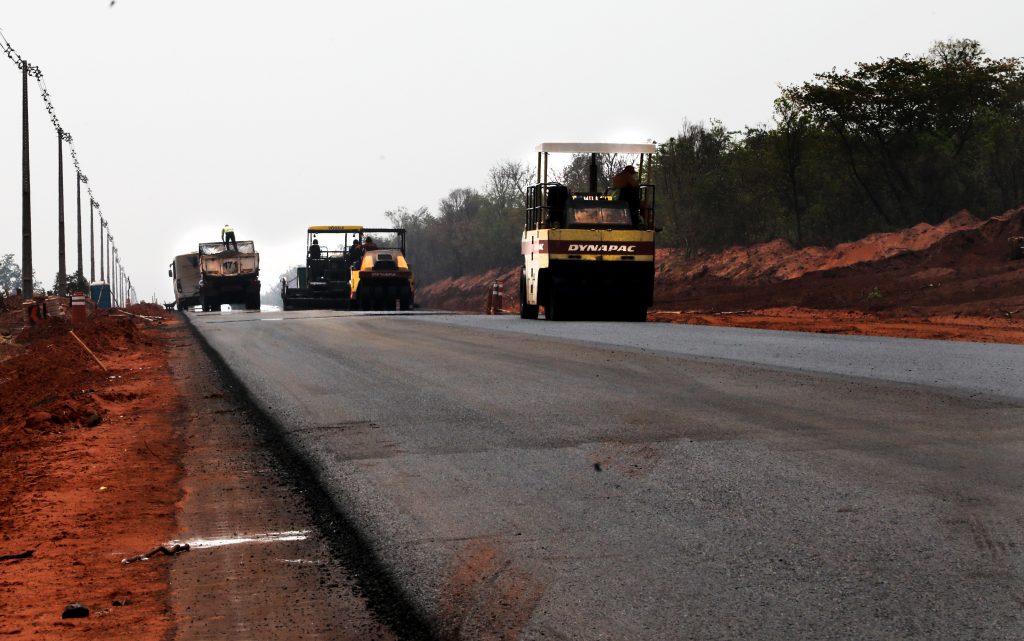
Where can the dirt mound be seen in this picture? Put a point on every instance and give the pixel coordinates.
(961, 266)
(778, 260)
(148, 309)
(47, 385)
(469, 293)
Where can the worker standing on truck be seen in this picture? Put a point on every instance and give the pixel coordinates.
(227, 236)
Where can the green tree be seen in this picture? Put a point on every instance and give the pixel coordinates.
(72, 283)
(10, 274)
(913, 130)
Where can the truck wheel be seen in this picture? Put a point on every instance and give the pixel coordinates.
(529, 312)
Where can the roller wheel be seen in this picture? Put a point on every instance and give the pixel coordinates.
(529, 312)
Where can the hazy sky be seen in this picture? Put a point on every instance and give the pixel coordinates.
(273, 116)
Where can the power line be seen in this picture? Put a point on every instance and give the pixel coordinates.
(36, 72)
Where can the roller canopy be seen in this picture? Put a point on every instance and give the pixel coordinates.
(335, 228)
(596, 148)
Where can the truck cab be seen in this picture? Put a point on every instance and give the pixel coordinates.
(184, 273)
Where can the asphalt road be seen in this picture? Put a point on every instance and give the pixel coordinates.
(619, 481)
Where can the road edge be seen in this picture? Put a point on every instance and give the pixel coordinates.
(385, 596)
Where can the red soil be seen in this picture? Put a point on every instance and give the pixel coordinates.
(87, 477)
(954, 281)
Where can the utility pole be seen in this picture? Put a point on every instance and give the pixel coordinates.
(78, 186)
(26, 192)
(114, 262)
(110, 257)
(102, 241)
(62, 267)
(92, 241)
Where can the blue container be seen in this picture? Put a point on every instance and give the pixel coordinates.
(100, 294)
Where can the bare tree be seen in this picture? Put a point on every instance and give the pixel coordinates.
(507, 182)
(576, 174)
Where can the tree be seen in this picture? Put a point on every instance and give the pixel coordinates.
(10, 274)
(272, 295)
(576, 174)
(910, 127)
(506, 184)
(72, 283)
(792, 127)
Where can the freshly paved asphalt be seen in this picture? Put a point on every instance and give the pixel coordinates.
(524, 479)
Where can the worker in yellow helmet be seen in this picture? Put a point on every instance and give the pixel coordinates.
(227, 236)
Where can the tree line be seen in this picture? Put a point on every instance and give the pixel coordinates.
(10, 279)
(883, 146)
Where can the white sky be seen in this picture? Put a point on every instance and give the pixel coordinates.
(273, 116)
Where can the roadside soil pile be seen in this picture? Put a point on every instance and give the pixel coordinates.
(954, 280)
(88, 476)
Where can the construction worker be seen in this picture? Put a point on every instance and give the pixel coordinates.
(626, 186)
(314, 250)
(227, 236)
(369, 245)
(355, 254)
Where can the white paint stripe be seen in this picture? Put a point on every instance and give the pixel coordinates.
(267, 537)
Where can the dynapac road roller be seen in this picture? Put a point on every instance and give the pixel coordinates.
(589, 255)
(381, 277)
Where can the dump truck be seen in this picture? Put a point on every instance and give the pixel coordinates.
(588, 255)
(184, 273)
(324, 281)
(229, 275)
(382, 278)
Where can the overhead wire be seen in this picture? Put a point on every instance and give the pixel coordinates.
(36, 72)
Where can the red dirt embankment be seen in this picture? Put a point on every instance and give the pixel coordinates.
(88, 476)
(954, 281)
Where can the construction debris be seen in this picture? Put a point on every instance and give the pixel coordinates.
(163, 549)
(75, 611)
